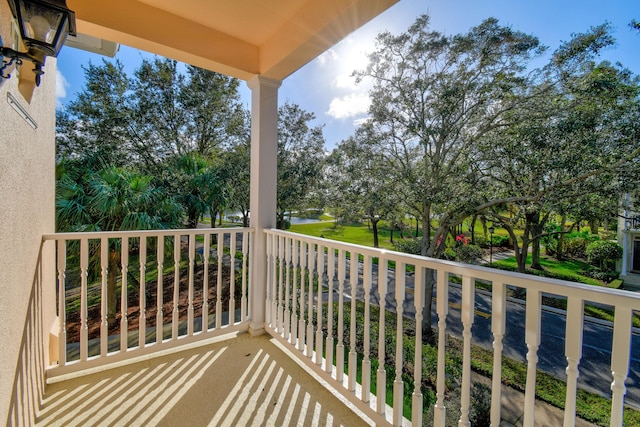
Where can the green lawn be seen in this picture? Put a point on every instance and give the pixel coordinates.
(356, 233)
(567, 270)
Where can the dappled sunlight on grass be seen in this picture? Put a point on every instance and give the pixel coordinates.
(356, 233)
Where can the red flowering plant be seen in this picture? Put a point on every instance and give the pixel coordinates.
(462, 240)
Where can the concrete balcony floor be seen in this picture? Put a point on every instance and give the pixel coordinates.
(241, 381)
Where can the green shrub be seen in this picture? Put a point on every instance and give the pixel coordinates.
(481, 241)
(409, 246)
(550, 241)
(501, 241)
(575, 246)
(468, 253)
(608, 235)
(575, 243)
(449, 254)
(605, 276)
(604, 254)
(480, 413)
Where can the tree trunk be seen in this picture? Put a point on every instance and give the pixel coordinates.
(472, 229)
(417, 227)
(391, 234)
(112, 277)
(426, 230)
(535, 227)
(522, 261)
(245, 219)
(374, 225)
(428, 337)
(561, 238)
(593, 225)
(535, 255)
(192, 219)
(280, 220)
(426, 249)
(220, 218)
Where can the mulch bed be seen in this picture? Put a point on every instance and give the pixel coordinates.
(73, 324)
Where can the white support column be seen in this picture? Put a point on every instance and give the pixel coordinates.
(264, 177)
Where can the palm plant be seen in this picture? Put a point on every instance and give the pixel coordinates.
(111, 199)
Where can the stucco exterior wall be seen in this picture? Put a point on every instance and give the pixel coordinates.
(27, 193)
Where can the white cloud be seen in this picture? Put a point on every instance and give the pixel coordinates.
(349, 106)
(61, 87)
(360, 121)
(344, 81)
(329, 55)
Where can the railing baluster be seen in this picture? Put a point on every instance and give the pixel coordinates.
(287, 297)
(160, 290)
(321, 280)
(366, 361)
(220, 250)
(296, 248)
(381, 374)
(398, 384)
(104, 309)
(342, 274)
(532, 338)
(62, 298)
(232, 278)
(468, 303)
(303, 271)
(620, 354)
(190, 308)
(281, 285)
(418, 302)
(205, 282)
(498, 323)
(175, 316)
(573, 352)
(84, 274)
(268, 284)
(312, 273)
(245, 256)
(353, 357)
(328, 365)
(270, 303)
(124, 295)
(442, 308)
(142, 319)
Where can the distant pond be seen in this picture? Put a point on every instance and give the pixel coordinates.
(296, 220)
(237, 217)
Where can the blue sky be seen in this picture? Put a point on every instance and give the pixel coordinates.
(324, 86)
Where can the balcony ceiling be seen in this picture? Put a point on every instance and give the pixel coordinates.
(241, 38)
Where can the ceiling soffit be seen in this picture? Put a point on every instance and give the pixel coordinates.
(241, 38)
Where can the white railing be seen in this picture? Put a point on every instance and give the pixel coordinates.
(122, 294)
(319, 305)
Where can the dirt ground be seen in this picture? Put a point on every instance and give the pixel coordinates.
(73, 324)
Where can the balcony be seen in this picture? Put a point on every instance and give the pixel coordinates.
(324, 331)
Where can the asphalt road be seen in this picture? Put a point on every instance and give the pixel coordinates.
(595, 365)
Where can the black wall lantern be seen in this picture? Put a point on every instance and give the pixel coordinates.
(44, 26)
